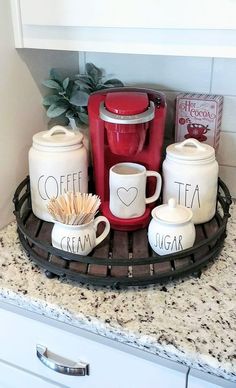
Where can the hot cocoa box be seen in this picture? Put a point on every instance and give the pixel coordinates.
(198, 116)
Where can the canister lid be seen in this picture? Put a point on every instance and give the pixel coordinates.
(190, 149)
(57, 136)
(172, 213)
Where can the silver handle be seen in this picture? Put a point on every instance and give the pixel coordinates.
(139, 118)
(60, 364)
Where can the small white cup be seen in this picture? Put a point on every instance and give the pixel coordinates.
(79, 239)
(128, 189)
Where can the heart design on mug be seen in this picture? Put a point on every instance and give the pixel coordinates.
(127, 196)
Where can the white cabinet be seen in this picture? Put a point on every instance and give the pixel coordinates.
(12, 377)
(197, 379)
(170, 27)
(110, 364)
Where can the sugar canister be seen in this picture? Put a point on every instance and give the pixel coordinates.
(190, 175)
(58, 162)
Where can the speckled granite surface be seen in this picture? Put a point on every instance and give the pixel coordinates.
(191, 321)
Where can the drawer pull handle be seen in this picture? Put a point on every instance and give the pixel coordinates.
(60, 364)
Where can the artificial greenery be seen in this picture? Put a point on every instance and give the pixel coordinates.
(69, 99)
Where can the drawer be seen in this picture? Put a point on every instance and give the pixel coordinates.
(111, 365)
(11, 377)
(198, 379)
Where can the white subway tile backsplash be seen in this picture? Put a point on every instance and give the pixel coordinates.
(161, 72)
(223, 76)
(228, 175)
(226, 154)
(176, 74)
(229, 114)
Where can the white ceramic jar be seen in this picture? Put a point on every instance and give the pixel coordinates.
(190, 175)
(171, 228)
(58, 162)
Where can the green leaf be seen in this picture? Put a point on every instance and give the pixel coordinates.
(114, 82)
(79, 98)
(84, 78)
(55, 110)
(55, 75)
(52, 84)
(83, 117)
(94, 72)
(83, 85)
(51, 99)
(70, 114)
(66, 83)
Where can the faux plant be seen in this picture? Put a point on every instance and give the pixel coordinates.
(69, 99)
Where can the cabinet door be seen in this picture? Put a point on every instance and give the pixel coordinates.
(12, 377)
(111, 365)
(134, 27)
(197, 379)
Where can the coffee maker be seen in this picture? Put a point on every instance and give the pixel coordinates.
(126, 125)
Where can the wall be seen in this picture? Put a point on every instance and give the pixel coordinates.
(21, 110)
(178, 74)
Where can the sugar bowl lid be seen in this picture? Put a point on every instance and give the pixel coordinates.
(58, 136)
(172, 213)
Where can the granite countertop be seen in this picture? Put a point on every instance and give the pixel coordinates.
(192, 321)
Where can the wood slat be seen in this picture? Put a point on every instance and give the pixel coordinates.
(45, 236)
(161, 268)
(78, 267)
(58, 261)
(101, 251)
(200, 236)
(120, 250)
(33, 225)
(210, 229)
(140, 250)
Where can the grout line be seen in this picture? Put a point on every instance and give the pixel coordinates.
(211, 79)
(82, 61)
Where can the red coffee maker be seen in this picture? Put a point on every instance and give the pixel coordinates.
(126, 125)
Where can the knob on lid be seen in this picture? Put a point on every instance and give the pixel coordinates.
(127, 103)
(57, 136)
(172, 213)
(191, 150)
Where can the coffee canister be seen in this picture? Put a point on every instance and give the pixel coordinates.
(58, 162)
(190, 175)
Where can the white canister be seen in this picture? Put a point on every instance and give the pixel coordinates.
(171, 228)
(58, 162)
(190, 174)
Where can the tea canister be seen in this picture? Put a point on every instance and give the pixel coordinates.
(190, 175)
(58, 162)
(171, 228)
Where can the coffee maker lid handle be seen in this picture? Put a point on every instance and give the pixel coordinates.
(139, 118)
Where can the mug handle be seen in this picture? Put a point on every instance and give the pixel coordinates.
(104, 234)
(155, 196)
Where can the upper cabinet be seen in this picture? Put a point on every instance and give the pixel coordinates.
(206, 28)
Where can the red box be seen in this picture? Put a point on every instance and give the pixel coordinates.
(199, 116)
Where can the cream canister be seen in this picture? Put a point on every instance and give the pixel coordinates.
(190, 175)
(58, 162)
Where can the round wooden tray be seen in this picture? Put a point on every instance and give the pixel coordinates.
(123, 258)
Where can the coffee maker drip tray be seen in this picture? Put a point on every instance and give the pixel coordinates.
(123, 258)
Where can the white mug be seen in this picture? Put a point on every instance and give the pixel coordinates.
(79, 239)
(128, 189)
